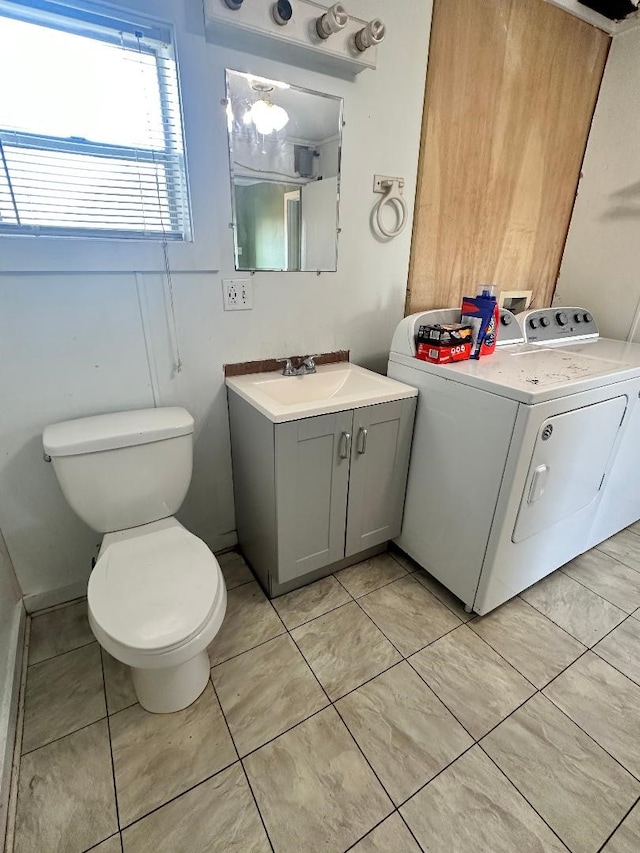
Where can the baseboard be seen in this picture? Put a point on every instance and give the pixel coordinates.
(51, 597)
(224, 541)
(9, 711)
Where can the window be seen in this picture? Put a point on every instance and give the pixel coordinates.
(91, 141)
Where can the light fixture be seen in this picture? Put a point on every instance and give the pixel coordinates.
(266, 116)
(263, 113)
(370, 35)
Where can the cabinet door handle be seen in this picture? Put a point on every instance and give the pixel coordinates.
(362, 440)
(345, 453)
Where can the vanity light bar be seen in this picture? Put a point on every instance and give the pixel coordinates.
(304, 33)
(333, 20)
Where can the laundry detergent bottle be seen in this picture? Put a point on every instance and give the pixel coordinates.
(482, 313)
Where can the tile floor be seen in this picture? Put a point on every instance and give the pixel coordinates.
(366, 712)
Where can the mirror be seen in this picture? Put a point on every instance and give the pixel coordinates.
(284, 158)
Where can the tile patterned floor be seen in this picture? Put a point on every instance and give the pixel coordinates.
(366, 712)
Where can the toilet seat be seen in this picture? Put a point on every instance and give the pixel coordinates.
(155, 589)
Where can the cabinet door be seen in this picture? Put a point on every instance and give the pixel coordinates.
(379, 465)
(312, 476)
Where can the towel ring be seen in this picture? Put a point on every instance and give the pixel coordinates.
(392, 196)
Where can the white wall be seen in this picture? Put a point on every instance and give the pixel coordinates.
(10, 644)
(601, 264)
(76, 344)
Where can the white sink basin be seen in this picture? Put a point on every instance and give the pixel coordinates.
(333, 388)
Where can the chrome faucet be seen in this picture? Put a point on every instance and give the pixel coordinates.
(305, 364)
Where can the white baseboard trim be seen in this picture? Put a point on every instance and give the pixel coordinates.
(50, 597)
(224, 542)
(9, 711)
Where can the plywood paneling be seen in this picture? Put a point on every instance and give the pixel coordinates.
(511, 89)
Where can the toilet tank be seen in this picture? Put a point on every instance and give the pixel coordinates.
(123, 469)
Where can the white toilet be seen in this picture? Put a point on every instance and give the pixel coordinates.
(156, 596)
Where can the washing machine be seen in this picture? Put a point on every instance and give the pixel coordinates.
(521, 460)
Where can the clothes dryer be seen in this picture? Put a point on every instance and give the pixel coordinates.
(511, 454)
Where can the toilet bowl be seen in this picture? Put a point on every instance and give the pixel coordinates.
(155, 619)
(156, 596)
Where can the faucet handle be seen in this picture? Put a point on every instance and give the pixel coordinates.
(288, 369)
(308, 364)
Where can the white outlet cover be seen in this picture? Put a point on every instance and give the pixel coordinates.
(237, 294)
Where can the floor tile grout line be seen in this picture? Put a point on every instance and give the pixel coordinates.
(404, 657)
(613, 557)
(62, 737)
(16, 754)
(372, 830)
(313, 618)
(411, 832)
(604, 598)
(369, 765)
(108, 838)
(253, 796)
(242, 767)
(285, 731)
(613, 666)
(63, 654)
(471, 735)
(634, 776)
(419, 569)
(382, 585)
(250, 649)
(60, 654)
(113, 766)
(54, 607)
(515, 667)
(549, 619)
(530, 804)
(177, 796)
(588, 649)
(488, 644)
(625, 816)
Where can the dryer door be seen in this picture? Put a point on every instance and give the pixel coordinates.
(569, 461)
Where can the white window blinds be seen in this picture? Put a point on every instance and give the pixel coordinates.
(91, 140)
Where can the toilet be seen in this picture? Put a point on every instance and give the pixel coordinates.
(156, 595)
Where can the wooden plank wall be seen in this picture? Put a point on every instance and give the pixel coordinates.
(511, 89)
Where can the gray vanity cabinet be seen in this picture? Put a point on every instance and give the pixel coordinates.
(312, 494)
(312, 482)
(378, 476)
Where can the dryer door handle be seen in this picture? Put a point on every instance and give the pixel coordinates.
(538, 483)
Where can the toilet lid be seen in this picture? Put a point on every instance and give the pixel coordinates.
(154, 591)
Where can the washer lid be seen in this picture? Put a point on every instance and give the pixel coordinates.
(154, 591)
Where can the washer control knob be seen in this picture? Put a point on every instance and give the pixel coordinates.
(587, 317)
(562, 318)
(544, 321)
(534, 322)
(577, 317)
(506, 319)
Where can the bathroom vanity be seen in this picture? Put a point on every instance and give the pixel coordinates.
(319, 468)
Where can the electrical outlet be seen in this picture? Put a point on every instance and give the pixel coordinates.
(237, 294)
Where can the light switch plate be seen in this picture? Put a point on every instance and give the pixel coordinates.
(237, 294)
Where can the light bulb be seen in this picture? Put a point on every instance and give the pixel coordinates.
(266, 117)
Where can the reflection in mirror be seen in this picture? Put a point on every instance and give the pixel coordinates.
(284, 155)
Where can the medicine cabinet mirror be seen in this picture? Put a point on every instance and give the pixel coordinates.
(284, 157)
